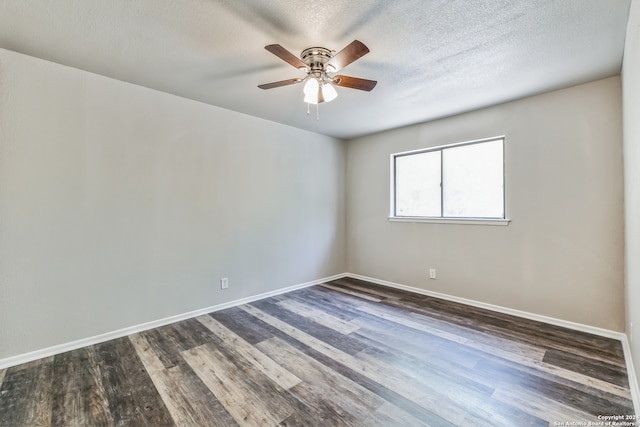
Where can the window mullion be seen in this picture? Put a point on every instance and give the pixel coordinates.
(395, 187)
(441, 184)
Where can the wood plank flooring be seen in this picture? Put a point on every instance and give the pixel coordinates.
(346, 353)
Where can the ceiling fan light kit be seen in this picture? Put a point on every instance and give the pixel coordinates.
(329, 92)
(319, 63)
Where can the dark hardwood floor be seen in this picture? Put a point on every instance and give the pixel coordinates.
(346, 353)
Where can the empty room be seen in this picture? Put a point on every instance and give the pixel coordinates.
(345, 213)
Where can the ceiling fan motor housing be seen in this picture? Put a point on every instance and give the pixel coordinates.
(315, 58)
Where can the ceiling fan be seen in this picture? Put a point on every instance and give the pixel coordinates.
(320, 63)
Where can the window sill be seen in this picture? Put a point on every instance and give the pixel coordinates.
(464, 221)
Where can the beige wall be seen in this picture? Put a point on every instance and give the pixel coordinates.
(121, 205)
(562, 254)
(631, 120)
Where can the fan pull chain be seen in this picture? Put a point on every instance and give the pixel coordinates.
(317, 111)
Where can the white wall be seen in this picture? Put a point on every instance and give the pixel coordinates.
(121, 205)
(562, 254)
(631, 121)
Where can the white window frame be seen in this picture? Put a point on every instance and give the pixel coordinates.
(443, 219)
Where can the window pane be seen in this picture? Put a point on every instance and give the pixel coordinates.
(418, 184)
(473, 180)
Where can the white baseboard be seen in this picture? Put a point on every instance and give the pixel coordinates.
(633, 383)
(97, 339)
(607, 333)
(633, 379)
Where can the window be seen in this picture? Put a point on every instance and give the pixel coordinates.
(459, 181)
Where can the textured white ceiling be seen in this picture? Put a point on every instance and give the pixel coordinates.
(431, 58)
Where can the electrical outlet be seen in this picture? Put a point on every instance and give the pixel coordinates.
(224, 283)
(432, 273)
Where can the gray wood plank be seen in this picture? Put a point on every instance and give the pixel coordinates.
(251, 330)
(321, 385)
(278, 374)
(589, 400)
(311, 326)
(610, 373)
(164, 345)
(406, 405)
(398, 382)
(25, 396)
(79, 397)
(319, 316)
(356, 293)
(188, 400)
(250, 397)
(540, 406)
(133, 399)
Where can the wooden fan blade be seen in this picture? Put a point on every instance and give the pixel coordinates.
(354, 83)
(285, 55)
(346, 56)
(280, 83)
